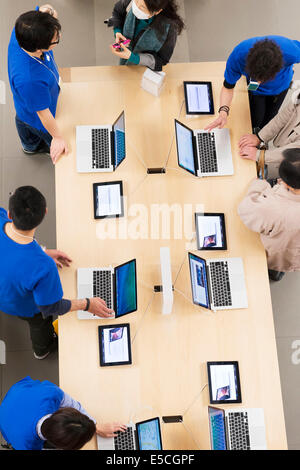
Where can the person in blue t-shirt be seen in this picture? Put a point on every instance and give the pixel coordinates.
(30, 286)
(35, 82)
(267, 63)
(36, 415)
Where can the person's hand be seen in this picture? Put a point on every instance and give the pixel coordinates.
(58, 147)
(124, 52)
(120, 37)
(48, 9)
(109, 429)
(60, 258)
(220, 122)
(98, 307)
(249, 140)
(249, 153)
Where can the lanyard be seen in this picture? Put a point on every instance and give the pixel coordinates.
(42, 63)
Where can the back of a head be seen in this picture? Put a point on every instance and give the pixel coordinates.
(68, 429)
(27, 208)
(264, 60)
(35, 30)
(289, 168)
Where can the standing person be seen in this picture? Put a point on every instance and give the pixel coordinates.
(273, 212)
(35, 82)
(34, 413)
(30, 286)
(267, 63)
(152, 26)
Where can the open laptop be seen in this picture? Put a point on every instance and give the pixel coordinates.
(218, 283)
(145, 435)
(204, 153)
(117, 286)
(237, 428)
(100, 148)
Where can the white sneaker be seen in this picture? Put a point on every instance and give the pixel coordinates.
(41, 357)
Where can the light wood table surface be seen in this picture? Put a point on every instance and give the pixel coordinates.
(168, 375)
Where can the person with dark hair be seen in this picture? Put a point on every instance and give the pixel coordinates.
(152, 26)
(267, 63)
(38, 414)
(30, 286)
(273, 212)
(35, 82)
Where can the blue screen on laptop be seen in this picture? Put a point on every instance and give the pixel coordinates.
(217, 429)
(149, 435)
(199, 281)
(119, 140)
(126, 295)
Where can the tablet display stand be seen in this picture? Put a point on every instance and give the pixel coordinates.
(166, 277)
(152, 82)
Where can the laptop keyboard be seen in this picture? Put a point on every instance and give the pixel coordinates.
(100, 148)
(239, 431)
(207, 152)
(219, 277)
(102, 286)
(124, 440)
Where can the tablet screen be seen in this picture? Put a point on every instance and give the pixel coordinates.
(114, 342)
(108, 199)
(224, 382)
(210, 230)
(198, 98)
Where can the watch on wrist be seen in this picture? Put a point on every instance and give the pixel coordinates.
(87, 305)
(224, 108)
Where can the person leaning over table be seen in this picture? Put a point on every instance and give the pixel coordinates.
(30, 286)
(37, 414)
(35, 82)
(267, 60)
(273, 212)
(284, 128)
(152, 27)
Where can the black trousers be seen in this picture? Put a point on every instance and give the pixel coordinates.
(41, 333)
(264, 107)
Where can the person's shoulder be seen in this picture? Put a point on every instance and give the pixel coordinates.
(3, 213)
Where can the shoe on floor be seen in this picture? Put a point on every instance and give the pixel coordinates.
(53, 347)
(275, 275)
(42, 148)
(41, 357)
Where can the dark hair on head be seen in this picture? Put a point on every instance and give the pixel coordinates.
(68, 429)
(169, 12)
(264, 60)
(35, 30)
(289, 168)
(27, 207)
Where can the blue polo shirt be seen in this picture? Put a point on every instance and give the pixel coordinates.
(34, 83)
(28, 276)
(236, 63)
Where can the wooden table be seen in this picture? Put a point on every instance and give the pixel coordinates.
(168, 374)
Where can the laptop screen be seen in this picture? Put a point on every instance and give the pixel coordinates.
(185, 149)
(125, 288)
(148, 434)
(217, 428)
(199, 281)
(119, 139)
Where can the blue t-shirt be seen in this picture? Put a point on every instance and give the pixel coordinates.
(33, 82)
(28, 276)
(23, 406)
(236, 63)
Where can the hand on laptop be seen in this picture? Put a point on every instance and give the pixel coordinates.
(109, 429)
(220, 122)
(98, 307)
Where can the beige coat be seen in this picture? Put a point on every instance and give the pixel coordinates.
(284, 128)
(275, 214)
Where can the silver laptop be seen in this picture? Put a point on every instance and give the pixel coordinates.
(100, 148)
(237, 429)
(145, 435)
(116, 286)
(204, 153)
(218, 283)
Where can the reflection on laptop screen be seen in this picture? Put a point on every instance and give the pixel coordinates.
(185, 151)
(119, 136)
(199, 281)
(126, 295)
(217, 429)
(149, 435)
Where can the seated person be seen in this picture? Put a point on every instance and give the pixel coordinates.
(273, 212)
(151, 26)
(35, 414)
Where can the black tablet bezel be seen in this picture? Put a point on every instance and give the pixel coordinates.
(100, 336)
(223, 228)
(210, 94)
(108, 183)
(238, 383)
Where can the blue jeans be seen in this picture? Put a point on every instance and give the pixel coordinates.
(30, 137)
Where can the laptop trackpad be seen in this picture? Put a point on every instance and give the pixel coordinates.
(85, 291)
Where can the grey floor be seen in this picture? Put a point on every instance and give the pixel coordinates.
(213, 28)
